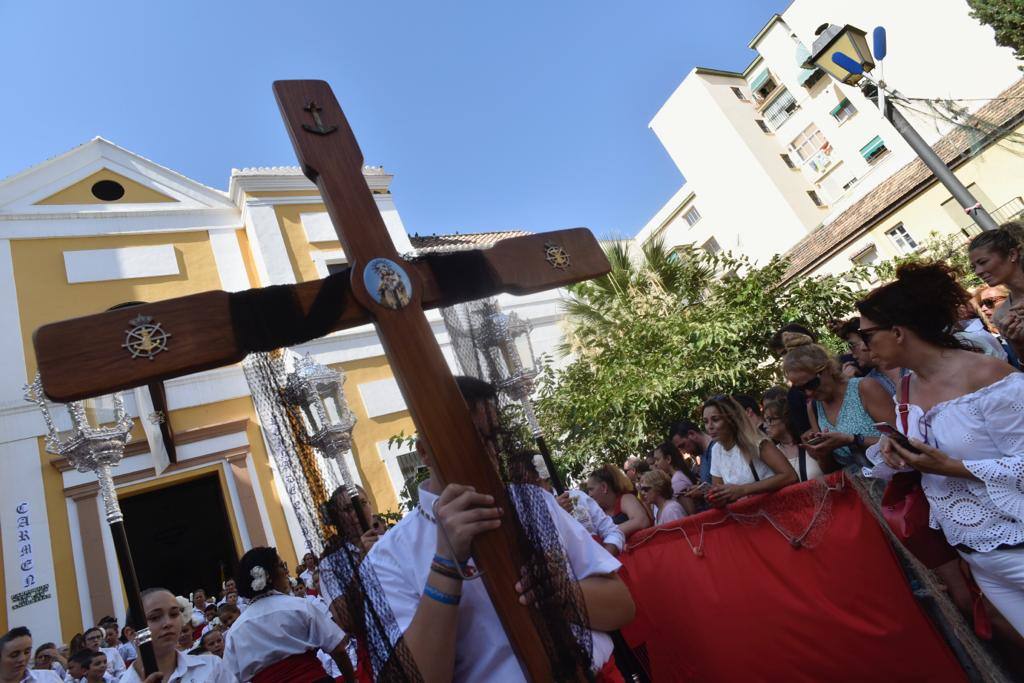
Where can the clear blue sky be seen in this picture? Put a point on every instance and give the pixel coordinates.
(529, 114)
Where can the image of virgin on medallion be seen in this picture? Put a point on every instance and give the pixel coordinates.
(387, 283)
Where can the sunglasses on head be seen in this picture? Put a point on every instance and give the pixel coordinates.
(811, 384)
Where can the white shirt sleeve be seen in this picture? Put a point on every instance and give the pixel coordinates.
(1002, 409)
(115, 663)
(608, 530)
(401, 593)
(586, 557)
(323, 632)
(716, 461)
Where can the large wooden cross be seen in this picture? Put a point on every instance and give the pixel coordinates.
(125, 348)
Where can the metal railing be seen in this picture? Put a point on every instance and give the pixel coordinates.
(1007, 212)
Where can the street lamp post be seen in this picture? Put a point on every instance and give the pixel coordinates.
(843, 53)
(98, 448)
(317, 392)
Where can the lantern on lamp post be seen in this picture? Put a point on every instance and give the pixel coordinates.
(317, 392)
(843, 53)
(507, 352)
(100, 429)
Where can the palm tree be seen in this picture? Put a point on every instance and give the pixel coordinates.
(657, 275)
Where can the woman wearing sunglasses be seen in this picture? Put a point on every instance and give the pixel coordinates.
(842, 410)
(964, 416)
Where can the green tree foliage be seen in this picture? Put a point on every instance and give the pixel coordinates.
(1006, 17)
(655, 337)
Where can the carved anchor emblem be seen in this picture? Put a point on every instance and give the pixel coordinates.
(320, 128)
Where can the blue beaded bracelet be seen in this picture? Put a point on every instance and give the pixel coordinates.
(441, 596)
(448, 563)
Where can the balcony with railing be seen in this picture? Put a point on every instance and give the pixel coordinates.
(1009, 211)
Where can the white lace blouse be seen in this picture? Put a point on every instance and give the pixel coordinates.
(985, 430)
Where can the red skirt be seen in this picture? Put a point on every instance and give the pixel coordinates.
(609, 673)
(304, 668)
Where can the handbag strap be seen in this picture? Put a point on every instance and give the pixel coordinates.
(753, 470)
(803, 463)
(903, 407)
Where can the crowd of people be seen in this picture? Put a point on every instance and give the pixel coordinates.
(929, 387)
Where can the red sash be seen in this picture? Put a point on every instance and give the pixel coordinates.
(609, 673)
(304, 668)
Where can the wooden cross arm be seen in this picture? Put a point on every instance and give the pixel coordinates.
(84, 357)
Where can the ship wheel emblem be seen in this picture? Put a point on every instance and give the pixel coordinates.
(145, 339)
(556, 255)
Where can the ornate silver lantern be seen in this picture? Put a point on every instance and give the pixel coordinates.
(100, 429)
(505, 339)
(317, 391)
(88, 447)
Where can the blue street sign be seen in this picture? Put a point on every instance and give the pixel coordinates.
(847, 63)
(880, 46)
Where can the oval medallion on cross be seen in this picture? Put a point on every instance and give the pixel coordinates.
(387, 283)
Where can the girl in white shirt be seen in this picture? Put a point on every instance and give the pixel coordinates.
(164, 616)
(278, 635)
(744, 461)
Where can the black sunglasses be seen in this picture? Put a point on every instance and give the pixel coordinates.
(811, 384)
(644, 488)
(866, 333)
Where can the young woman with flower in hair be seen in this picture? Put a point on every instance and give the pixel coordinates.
(165, 617)
(744, 460)
(964, 415)
(277, 636)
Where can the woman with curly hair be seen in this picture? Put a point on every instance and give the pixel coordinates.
(964, 415)
(277, 636)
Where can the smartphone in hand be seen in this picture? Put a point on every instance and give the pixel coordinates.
(814, 440)
(891, 432)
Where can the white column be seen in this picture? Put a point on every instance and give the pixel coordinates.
(78, 555)
(261, 502)
(113, 568)
(25, 528)
(236, 506)
(227, 253)
(12, 369)
(267, 242)
(388, 211)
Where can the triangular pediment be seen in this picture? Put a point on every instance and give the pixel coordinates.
(106, 187)
(100, 177)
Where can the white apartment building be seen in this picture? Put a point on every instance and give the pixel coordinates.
(775, 151)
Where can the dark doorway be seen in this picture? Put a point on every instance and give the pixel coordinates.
(180, 536)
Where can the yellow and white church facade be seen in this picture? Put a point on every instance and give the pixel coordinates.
(100, 226)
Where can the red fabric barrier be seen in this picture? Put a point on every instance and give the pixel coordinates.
(755, 608)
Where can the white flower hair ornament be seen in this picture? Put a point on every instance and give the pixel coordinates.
(259, 578)
(186, 609)
(541, 466)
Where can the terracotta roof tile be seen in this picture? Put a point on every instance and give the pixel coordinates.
(902, 184)
(469, 240)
